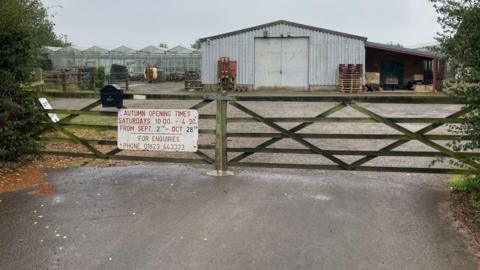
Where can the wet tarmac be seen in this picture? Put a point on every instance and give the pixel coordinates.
(177, 217)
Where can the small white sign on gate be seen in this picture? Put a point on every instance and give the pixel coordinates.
(158, 130)
(46, 105)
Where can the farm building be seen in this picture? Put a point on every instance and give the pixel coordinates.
(285, 54)
(400, 68)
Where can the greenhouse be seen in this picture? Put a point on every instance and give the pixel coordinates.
(176, 60)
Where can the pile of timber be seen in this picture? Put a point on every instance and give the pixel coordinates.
(71, 78)
(350, 78)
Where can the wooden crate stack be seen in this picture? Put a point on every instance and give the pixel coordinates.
(227, 73)
(350, 78)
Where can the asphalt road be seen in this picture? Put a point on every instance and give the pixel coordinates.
(176, 217)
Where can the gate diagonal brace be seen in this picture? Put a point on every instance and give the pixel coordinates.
(70, 134)
(292, 135)
(204, 156)
(89, 107)
(399, 143)
(414, 136)
(199, 153)
(78, 140)
(297, 128)
(113, 152)
(201, 104)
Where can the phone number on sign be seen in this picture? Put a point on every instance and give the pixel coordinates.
(166, 146)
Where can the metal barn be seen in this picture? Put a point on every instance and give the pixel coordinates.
(282, 54)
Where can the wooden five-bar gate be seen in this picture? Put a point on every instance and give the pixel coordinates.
(222, 150)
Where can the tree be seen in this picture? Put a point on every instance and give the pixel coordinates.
(460, 38)
(163, 45)
(100, 77)
(196, 45)
(460, 44)
(44, 62)
(24, 29)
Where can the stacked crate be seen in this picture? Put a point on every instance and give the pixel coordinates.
(227, 73)
(350, 78)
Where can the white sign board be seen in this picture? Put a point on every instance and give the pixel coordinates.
(158, 130)
(54, 117)
(46, 105)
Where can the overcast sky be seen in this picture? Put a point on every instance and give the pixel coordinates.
(111, 23)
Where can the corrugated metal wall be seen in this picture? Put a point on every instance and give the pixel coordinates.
(326, 52)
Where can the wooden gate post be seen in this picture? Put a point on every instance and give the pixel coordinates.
(221, 137)
(434, 74)
(64, 81)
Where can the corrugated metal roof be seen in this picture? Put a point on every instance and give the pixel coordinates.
(393, 48)
(303, 26)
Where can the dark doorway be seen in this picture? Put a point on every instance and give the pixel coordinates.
(393, 67)
(391, 75)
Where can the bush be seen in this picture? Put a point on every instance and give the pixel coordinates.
(468, 186)
(45, 63)
(100, 78)
(465, 184)
(18, 120)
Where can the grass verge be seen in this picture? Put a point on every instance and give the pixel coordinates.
(468, 187)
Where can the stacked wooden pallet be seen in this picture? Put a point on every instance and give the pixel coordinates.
(70, 79)
(350, 78)
(226, 73)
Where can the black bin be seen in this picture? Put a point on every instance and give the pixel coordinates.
(111, 96)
